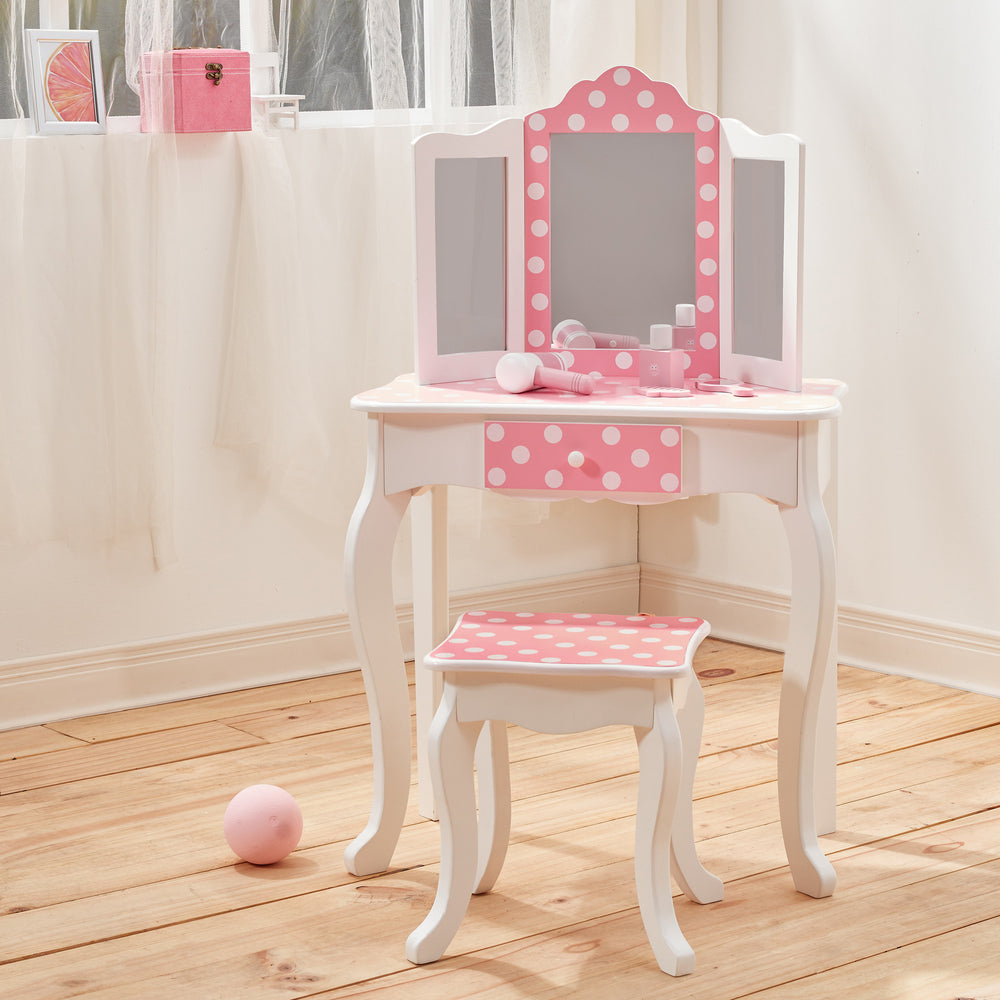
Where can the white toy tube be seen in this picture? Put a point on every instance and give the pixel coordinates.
(521, 372)
(573, 335)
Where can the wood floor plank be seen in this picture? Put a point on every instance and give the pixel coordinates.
(137, 721)
(81, 762)
(18, 743)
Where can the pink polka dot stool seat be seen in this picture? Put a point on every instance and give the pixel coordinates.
(563, 673)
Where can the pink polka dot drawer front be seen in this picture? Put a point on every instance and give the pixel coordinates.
(607, 458)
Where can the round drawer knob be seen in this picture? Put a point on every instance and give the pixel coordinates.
(575, 459)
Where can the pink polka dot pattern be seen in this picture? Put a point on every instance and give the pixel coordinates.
(616, 458)
(559, 643)
(623, 100)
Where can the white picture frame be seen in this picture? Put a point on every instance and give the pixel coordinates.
(65, 81)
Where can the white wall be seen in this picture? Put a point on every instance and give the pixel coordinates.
(896, 103)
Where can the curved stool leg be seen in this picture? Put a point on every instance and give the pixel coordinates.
(659, 780)
(451, 749)
(698, 883)
(493, 769)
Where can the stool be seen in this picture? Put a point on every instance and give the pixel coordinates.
(566, 673)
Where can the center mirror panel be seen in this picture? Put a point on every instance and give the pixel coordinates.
(622, 245)
(621, 218)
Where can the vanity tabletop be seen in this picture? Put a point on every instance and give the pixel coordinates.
(612, 398)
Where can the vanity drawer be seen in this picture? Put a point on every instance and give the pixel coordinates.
(607, 458)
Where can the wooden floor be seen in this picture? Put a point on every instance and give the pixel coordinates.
(115, 880)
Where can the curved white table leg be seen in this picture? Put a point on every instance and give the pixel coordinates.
(807, 660)
(493, 770)
(660, 752)
(698, 883)
(451, 747)
(372, 611)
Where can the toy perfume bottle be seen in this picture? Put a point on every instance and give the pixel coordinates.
(661, 365)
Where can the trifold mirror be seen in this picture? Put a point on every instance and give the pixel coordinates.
(611, 209)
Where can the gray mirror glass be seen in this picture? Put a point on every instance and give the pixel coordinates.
(622, 229)
(758, 255)
(469, 210)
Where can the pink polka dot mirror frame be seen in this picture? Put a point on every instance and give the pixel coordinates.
(622, 100)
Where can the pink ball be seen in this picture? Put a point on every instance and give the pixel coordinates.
(262, 824)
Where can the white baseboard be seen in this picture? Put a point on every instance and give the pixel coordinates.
(89, 682)
(952, 655)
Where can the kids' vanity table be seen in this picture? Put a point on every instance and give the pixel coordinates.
(646, 257)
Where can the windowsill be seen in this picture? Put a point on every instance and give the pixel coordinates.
(456, 118)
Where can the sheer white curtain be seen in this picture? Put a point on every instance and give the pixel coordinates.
(314, 277)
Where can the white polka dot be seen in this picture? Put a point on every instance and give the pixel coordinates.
(536, 122)
(645, 99)
(708, 341)
(555, 621)
(619, 123)
(445, 656)
(587, 652)
(551, 659)
(539, 301)
(506, 642)
(629, 631)
(474, 649)
(686, 361)
(708, 192)
(707, 267)
(669, 437)
(576, 123)
(664, 123)
(680, 631)
(496, 476)
(536, 338)
(611, 480)
(640, 458)
(539, 228)
(536, 191)
(691, 620)
(494, 432)
(706, 304)
(643, 656)
(666, 663)
(553, 479)
(658, 625)
(497, 656)
(575, 628)
(543, 635)
(622, 76)
(706, 154)
(674, 648)
(706, 230)
(611, 435)
(520, 454)
(597, 638)
(539, 154)
(565, 645)
(536, 265)
(474, 614)
(611, 660)
(597, 98)
(607, 623)
(486, 635)
(619, 645)
(527, 652)
(669, 483)
(623, 360)
(706, 122)
(635, 618)
(522, 628)
(553, 433)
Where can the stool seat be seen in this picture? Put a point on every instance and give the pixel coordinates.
(560, 673)
(641, 646)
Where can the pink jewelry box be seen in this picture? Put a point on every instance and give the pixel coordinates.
(205, 90)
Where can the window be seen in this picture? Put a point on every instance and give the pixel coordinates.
(344, 55)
